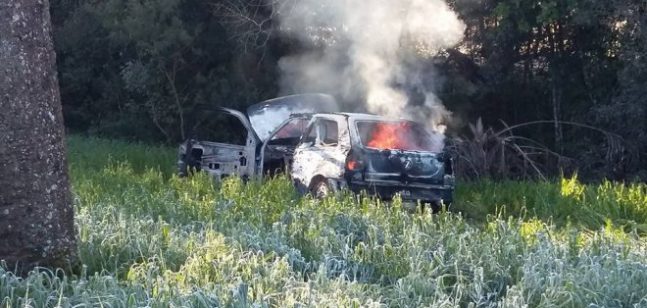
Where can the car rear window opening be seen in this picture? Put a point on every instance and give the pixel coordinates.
(399, 135)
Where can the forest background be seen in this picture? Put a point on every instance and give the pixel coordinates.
(143, 70)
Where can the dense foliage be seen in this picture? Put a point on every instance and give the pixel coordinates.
(148, 238)
(520, 61)
(140, 69)
(562, 61)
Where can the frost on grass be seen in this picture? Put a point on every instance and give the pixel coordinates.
(148, 239)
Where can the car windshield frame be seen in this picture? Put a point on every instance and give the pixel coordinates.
(267, 116)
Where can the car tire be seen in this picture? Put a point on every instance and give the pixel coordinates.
(188, 164)
(321, 189)
(437, 206)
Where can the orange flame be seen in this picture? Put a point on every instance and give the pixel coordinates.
(352, 165)
(392, 136)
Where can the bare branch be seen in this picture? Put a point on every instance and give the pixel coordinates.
(251, 21)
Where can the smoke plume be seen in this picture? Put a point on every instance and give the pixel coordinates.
(369, 51)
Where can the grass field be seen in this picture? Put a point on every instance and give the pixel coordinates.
(147, 238)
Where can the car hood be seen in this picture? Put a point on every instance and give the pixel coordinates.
(266, 116)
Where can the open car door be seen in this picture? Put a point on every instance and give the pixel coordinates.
(272, 129)
(280, 122)
(265, 117)
(277, 152)
(218, 159)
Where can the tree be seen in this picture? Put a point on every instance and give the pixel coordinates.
(626, 111)
(524, 61)
(36, 213)
(142, 69)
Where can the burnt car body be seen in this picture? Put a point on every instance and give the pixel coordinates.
(346, 151)
(272, 129)
(324, 151)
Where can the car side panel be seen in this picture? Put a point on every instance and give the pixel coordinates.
(221, 159)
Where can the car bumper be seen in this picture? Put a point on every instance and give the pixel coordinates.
(387, 190)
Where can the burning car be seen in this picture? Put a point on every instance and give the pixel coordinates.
(381, 156)
(324, 151)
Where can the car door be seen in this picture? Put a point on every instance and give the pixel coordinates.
(322, 151)
(277, 151)
(222, 159)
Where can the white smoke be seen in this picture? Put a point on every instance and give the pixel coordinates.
(364, 50)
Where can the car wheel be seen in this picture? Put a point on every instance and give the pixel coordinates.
(188, 164)
(437, 206)
(321, 189)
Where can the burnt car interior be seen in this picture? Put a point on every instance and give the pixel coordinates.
(402, 135)
(323, 133)
(278, 154)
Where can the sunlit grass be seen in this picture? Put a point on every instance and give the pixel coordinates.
(147, 238)
(562, 203)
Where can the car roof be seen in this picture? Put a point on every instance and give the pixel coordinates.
(354, 116)
(363, 116)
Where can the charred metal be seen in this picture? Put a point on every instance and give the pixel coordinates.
(324, 151)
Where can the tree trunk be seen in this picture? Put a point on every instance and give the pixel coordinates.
(36, 213)
(556, 100)
(555, 84)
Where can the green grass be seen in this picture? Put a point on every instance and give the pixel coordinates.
(563, 203)
(147, 238)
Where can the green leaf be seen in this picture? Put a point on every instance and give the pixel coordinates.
(502, 10)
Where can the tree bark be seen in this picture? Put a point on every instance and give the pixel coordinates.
(36, 212)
